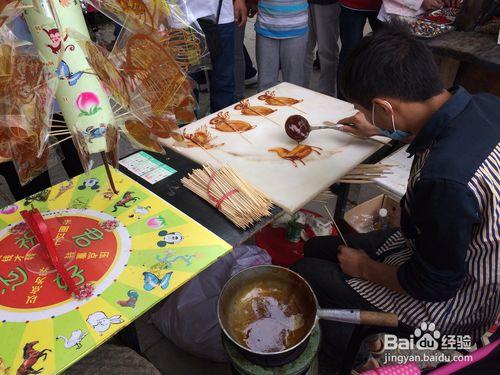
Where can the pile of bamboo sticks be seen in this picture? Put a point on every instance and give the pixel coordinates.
(239, 201)
(366, 173)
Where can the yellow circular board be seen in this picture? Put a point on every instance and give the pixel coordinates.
(134, 248)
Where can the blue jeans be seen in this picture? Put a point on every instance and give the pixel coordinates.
(222, 74)
(352, 22)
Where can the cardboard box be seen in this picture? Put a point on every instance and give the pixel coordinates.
(361, 217)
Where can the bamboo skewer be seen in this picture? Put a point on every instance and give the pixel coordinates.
(366, 173)
(62, 140)
(324, 196)
(62, 132)
(239, 201)
(237, 131)
(108, 172)
(336, 226)
(206, 150)
(289, 105)
(367, 139)
(267, 118)
(356, 181)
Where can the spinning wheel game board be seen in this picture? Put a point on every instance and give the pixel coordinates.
(133, 247)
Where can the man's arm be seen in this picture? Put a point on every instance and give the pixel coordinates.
(252, 7)
(240, 12)
(445, 214)
(357, 263)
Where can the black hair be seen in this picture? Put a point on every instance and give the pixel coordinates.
(390, 62)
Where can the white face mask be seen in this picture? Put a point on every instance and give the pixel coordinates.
(396, 134)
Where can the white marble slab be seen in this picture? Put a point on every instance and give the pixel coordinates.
(288, 186)
(395, 184)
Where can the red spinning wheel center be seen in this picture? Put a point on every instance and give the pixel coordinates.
(87, 246)
(37, 259)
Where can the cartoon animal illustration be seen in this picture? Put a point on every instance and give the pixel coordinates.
(253, 110)
(91, 183)
(271, 99)
(109, 225)
(101, 323)
(108, 194)
(64, 73)
(56, 41)
(62, 189)
(140, 211)
(169, 238)
(297, 154)
(4, 370)
(126, 198)
(79, 203)
(131, 301)
(41, 196)
(169, 259)
(93, 133)
(75, 339)
(200, 138)
(222, 122)
(151, 280)
(30, 358)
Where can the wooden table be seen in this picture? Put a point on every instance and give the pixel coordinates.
(469, 59)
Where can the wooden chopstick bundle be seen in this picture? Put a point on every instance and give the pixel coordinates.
(239, 201)
(366, 173)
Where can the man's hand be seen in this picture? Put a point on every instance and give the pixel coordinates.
(252, 8)
(352, 261)
(240, 12)
(432, 4)
(357, 263)
(359, 126)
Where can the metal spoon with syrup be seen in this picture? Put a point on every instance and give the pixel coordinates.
(298, 128)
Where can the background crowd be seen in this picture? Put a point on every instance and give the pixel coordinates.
(289, 35)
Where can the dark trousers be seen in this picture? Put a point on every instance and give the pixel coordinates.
(117, 30)
(321, 269)
(221, 76)
(352, 22)
(250, 71)
(70, 162)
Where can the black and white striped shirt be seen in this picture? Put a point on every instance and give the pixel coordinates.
(448, 247)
